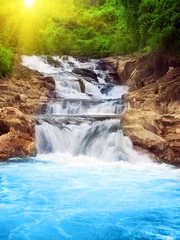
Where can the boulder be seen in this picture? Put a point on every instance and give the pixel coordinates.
(106, 88)
(110, 64)
(16, 134)
(143, 128)
(55, 63)
(85, 73)
(157, 133)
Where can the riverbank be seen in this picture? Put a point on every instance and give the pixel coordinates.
(25, 92)
(153, 119)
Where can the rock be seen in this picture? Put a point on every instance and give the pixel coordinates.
(85, 73)
(21, 97)
(169, 86)
(82, 59)
(154, 122)
(144, 128)
(65, 57)
(53, 62)
(82, 85)
(106, 88)
(148, 69)
(110, 64)
(158, 134)
(25, 89)
(144, 139)
(125, 70)
(150, 120)
(162, 96)
(16, 134)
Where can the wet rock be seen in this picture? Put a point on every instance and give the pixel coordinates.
(85, 73)
(83, 59)
(110, 65)
(53, 62)
(16, 134)
(106, 88)
(82, 85)
(64, 57)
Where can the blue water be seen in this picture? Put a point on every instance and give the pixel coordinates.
(62, 197)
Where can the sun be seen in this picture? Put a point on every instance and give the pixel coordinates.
(29, 3)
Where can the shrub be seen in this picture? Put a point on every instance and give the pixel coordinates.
(6, 58)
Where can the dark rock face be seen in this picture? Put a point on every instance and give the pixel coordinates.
(82, 86)
(110, 65)
(149, 68)
(105, 89)
(82, 59)
(16, 134)
(153, 122)
(85, 73)
(53, 62)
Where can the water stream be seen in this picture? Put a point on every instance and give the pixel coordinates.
(87, 182)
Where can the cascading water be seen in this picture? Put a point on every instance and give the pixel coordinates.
(87, 182)
(95, 139)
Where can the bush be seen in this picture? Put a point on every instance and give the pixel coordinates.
(6, 58)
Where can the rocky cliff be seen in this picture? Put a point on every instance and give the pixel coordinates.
(153, 118)
(25, 92)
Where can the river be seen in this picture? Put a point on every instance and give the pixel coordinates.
(87, 182)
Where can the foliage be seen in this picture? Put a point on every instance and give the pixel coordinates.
(93, 28)
(157, 24)
(6, 58)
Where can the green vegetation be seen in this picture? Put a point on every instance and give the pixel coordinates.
(155, 24)
(6, 58)
(94, 28)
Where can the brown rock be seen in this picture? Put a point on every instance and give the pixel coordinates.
(125, 70)
(147, 70)
(25, 89)
(143, 129)
(16, 134)
(154, 122)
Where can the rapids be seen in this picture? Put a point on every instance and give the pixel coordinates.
(87, 182)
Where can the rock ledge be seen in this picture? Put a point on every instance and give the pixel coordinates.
(16, 134)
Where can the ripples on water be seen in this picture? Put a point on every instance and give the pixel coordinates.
(87, 183)
(58, 196)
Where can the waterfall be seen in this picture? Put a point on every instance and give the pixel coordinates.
(90, 133)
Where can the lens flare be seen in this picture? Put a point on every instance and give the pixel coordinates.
(29, 3)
